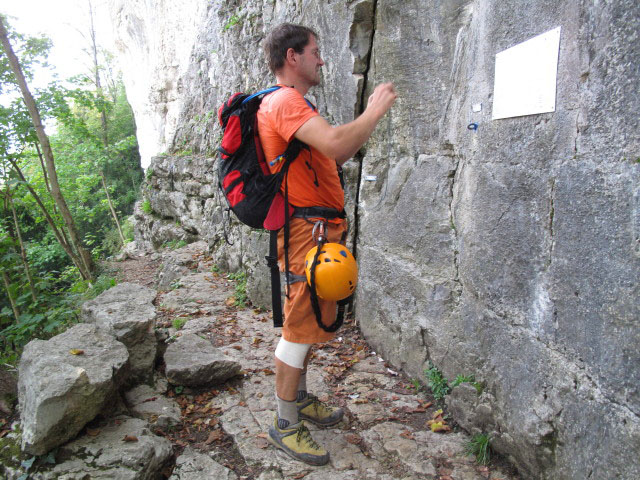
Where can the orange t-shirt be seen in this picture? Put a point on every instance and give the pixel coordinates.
(313, 177)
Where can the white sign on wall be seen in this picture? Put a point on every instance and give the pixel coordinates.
(525, 77)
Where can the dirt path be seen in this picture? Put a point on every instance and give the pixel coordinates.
(386, 433)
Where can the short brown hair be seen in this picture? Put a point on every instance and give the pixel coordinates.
(281, 39)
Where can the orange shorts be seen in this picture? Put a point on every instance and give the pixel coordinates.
(300, 323)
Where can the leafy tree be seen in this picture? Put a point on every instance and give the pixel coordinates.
(82, 259)
(97, 172)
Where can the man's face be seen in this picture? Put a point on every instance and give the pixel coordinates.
(310, 62)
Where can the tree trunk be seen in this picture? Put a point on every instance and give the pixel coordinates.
(48, 154)
(60, 236)
(23, 253)
(96, 66)
(113, 212)
(46, 182)
(7, 286)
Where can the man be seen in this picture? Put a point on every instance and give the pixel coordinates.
(313, 181)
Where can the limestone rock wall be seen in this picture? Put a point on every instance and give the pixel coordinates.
(510, 252)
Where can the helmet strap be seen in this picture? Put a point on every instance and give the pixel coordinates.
(321, 240)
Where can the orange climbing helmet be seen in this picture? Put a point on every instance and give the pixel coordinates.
(336, 271)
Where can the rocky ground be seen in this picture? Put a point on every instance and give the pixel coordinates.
(220, 431)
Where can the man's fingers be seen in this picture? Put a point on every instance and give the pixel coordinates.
(385, 95)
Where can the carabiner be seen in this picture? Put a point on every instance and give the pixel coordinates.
(320, 229)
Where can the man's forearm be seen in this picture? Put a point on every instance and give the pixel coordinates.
(350, 137)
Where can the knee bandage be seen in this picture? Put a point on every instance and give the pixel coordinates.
(293, 354)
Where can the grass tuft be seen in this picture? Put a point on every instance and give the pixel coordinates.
(480, 447)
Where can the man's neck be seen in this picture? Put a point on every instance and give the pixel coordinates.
(290, 82)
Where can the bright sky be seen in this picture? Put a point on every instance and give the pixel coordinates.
(66, 23)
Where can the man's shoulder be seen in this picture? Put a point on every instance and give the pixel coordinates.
(283, 96)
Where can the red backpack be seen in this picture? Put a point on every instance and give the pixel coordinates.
(251, 190)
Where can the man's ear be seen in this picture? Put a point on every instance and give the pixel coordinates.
(291, 56)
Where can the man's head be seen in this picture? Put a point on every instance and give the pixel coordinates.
(297, 43)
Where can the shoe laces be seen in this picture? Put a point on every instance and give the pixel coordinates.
(304, 435)
(319, 407)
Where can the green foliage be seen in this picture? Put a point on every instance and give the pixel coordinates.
(179, 322)
(468, 379)
(83, 150)
(437, 382)
(480, 447)
(233, 21)
(174, 244)
(146, 206)
(127, 230)
(440, 386)
(415, 383)
(241, 288)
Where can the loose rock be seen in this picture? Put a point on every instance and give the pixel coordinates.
(192, 465)
(192, 361)
(127, 312)
(149, 405)
(60, 392)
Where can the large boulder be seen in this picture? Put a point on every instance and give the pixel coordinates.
(193, 361)
(126, 311)
(64, 382)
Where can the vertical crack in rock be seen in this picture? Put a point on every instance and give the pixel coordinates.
(551, 216)
(452, 175)
(364, 19)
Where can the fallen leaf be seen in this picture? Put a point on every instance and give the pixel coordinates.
(242, 404)
(300, 475)
(361, 400)
(76, 351)
(152, 399)
(440, 427)
(93, 432)
(407, 434)
(214, 436)
(353, 438)
(437, 413)
(268, 371)
(4, 432)
(261, 435)
(237, 347)
(230, 301)
(130, 438)
(262, 443)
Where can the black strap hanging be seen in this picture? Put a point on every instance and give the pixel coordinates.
(315, 304)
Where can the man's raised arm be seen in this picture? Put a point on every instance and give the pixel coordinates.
(342, 142)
